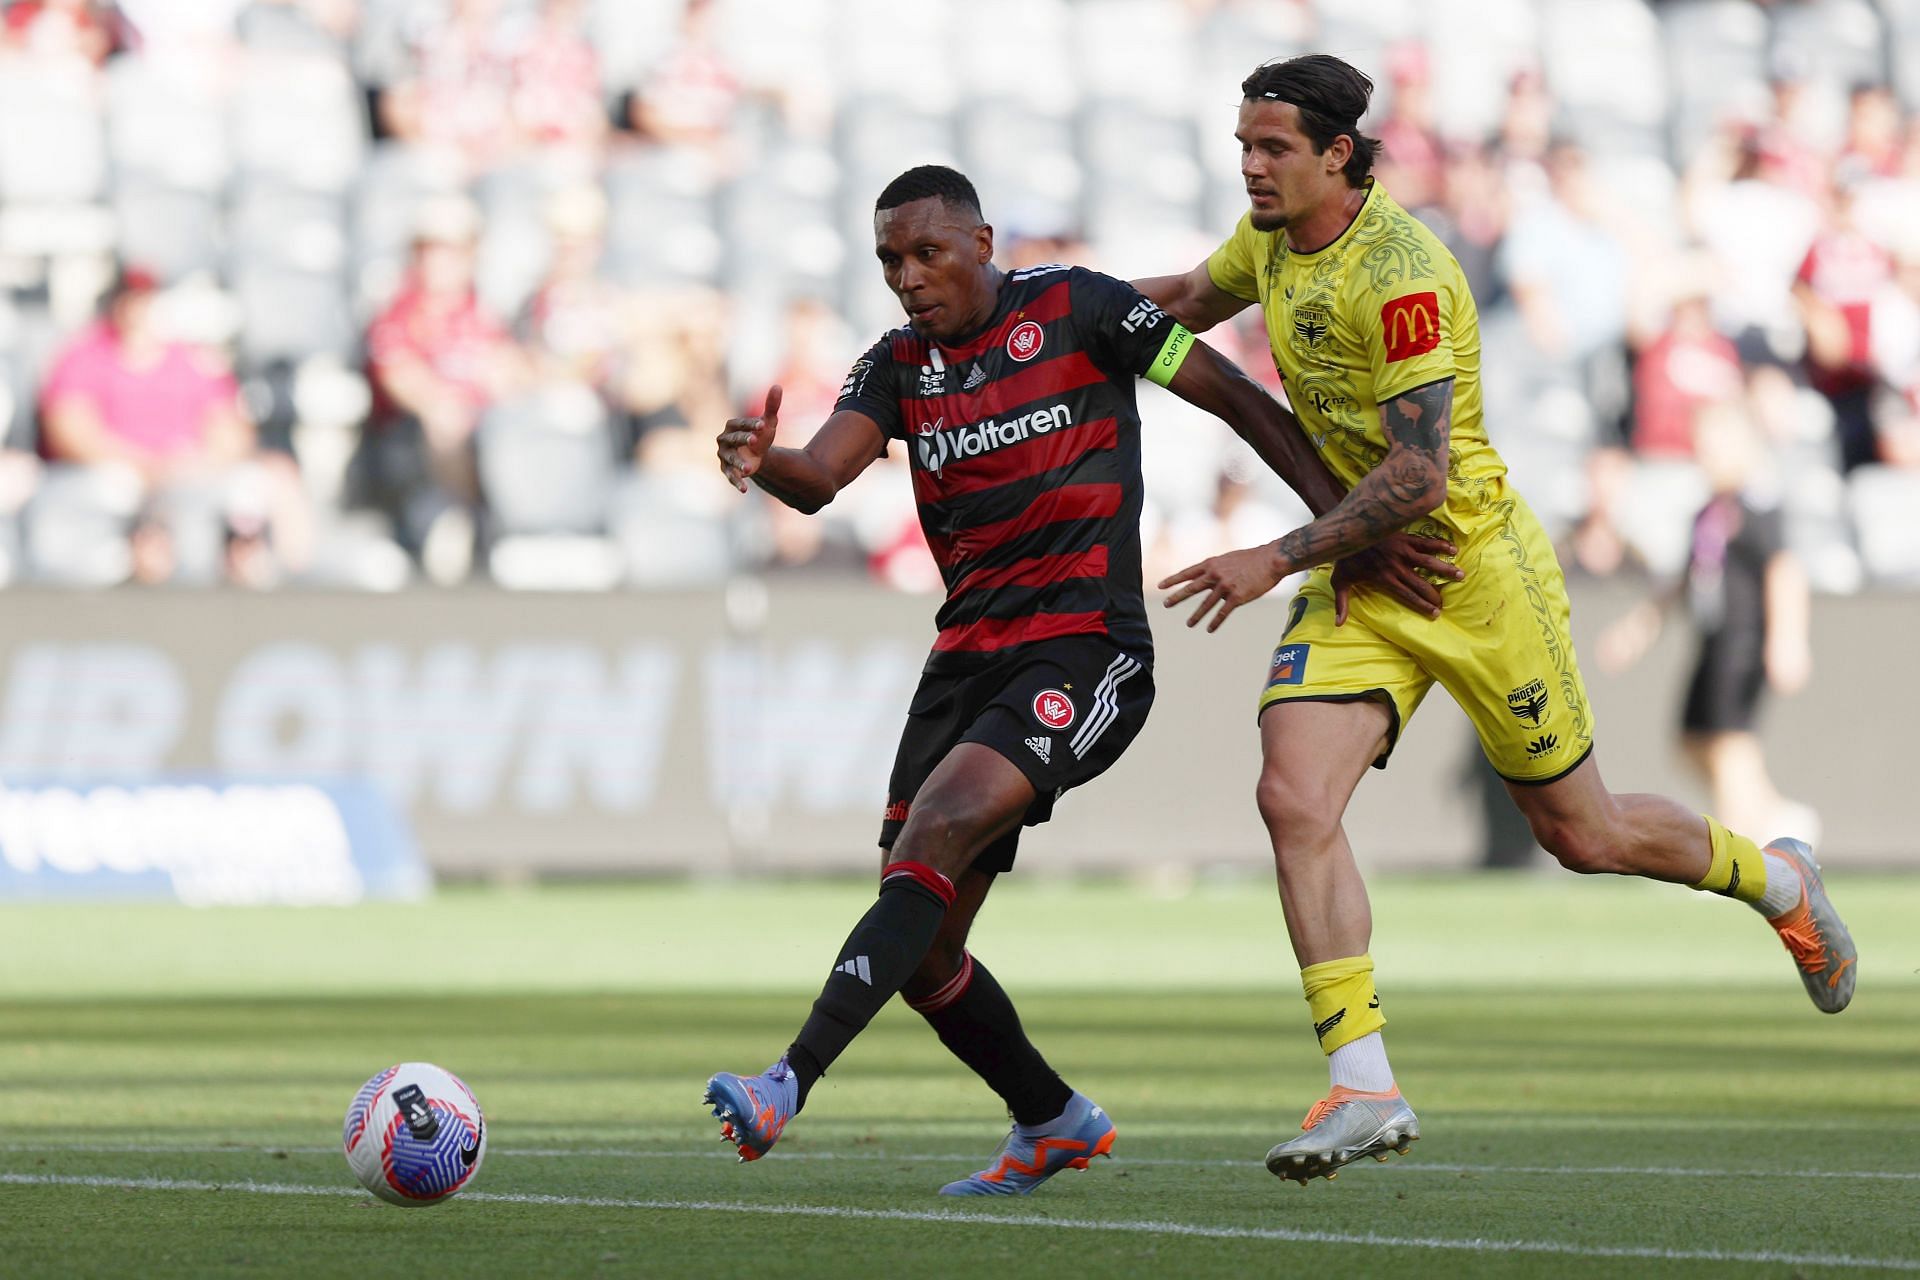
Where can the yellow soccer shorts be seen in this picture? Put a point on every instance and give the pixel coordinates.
(1501, 646)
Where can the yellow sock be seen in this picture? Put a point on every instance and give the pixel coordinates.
(1739, 869)
(1342, 1001)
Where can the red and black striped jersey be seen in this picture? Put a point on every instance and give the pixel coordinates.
(1025, 452)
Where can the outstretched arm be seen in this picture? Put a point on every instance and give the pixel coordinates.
(1398, 565)
(1410, 482)
(805, 479)
(1193, 299)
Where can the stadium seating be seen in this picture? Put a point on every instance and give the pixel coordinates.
(270, 182)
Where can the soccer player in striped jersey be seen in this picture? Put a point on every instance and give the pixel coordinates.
(1377, 337)
(1014, 397)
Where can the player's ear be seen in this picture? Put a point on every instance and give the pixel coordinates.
(1338, 152)
(983, 242)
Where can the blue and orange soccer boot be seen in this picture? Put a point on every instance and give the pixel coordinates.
(1030, 1155)
(1815, 934)
(752, 1110)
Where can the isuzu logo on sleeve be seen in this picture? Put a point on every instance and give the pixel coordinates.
(1024, 343)
(1053, 708)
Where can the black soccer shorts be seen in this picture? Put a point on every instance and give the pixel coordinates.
(1061, 710)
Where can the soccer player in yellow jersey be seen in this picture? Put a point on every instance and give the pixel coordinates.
(1376, 336)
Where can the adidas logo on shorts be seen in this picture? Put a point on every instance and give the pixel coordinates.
(1042, 747)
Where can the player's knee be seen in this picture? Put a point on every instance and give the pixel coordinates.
(1295, 811)
(943, 831)
(1577, 847)
(937, 968)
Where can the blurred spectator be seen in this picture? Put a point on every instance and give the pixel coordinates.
(1411, 160)
(676, 379)
(1758, 225)
(1836, 288)
(437, 360)
(1896, 341)
(689, 96)
(575, 325)
(1874, 127)
(1748, 597)
(1471, 217)
(50, 29)
(457, 87)
(1568, 271)
(1688, 366)
(122, 394)
(557, 93)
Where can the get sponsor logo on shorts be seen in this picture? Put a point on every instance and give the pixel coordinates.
(1053, 708)
(1289, 665)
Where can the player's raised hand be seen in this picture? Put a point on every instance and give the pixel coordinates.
(1230, 580)
(1399, 565)
(743, 442)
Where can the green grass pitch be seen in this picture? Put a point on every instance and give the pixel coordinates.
(1614, 1079)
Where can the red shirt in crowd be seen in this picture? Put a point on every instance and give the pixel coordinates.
(457, 342)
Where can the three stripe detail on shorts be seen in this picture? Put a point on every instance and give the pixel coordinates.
(1106, 706)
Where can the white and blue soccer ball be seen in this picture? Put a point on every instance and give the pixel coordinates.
(414, 1134)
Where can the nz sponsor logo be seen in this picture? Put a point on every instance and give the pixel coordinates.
(1320, 1029)
(939, 447)
(1544, 745)
(1145, 315)
(1529, 702)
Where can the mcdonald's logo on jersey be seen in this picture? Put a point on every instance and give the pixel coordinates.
(1411, 325)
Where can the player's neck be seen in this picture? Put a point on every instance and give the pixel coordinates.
(977, 319)
(1328, 222)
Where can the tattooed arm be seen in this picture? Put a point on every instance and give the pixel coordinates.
(1409, 482)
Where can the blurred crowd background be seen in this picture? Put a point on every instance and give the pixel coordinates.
(361, 293)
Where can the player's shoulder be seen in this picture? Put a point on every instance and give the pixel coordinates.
(1394, 248)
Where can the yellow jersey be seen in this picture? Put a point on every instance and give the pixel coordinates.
(1381, 311)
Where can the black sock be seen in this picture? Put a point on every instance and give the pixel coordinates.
(875, 961)
(974, 1018)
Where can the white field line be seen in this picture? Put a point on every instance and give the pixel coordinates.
(1410, 1165)
(1562, 1248)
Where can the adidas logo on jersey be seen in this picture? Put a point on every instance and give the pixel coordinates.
(856, 968)
(1042, 747)
(975, 379)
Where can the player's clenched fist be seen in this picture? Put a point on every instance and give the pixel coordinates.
(744, 442)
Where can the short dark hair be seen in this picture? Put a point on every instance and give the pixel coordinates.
(1331, 95)
(931, 181)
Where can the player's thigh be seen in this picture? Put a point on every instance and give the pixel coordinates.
(1503, 647)
(974, 796)
(1358, 666)
(1064, 714)
(1312, 756)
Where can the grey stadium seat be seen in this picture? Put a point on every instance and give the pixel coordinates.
(1886, 517)
(52, 140)
(547, 462)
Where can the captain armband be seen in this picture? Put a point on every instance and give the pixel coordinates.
(1173, 353)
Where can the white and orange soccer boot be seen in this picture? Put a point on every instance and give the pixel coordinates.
(1814, 933)
(1342, 1127)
